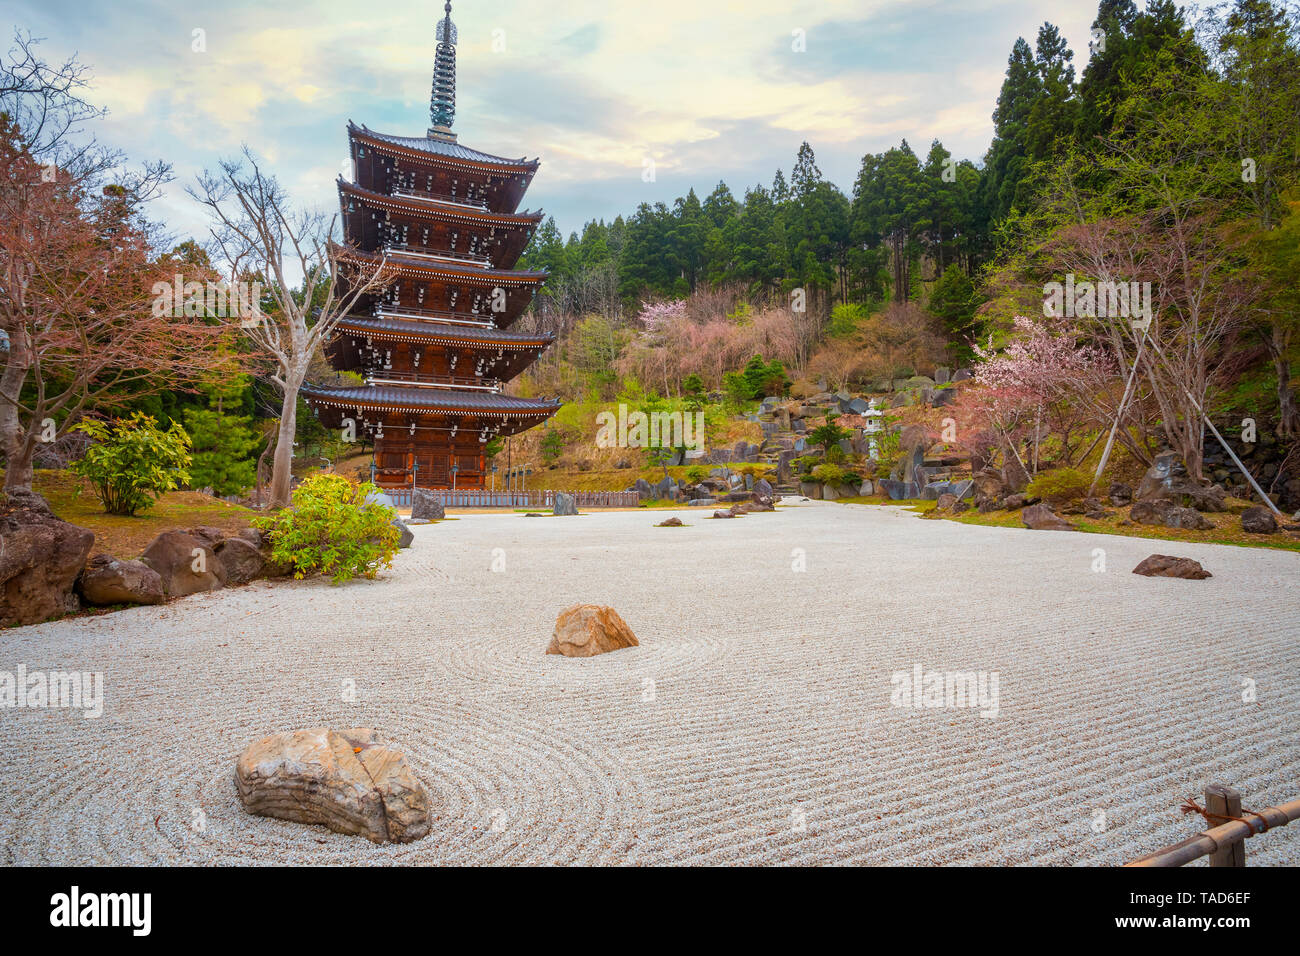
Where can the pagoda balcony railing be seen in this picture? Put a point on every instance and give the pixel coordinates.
(432, 315)
(439, 197)
(432, 380)
(424, 252)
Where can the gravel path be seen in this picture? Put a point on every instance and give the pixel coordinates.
(753, 724)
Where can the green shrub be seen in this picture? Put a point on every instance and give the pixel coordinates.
(331, 529)
(1060, 486)
(829, 474)
(696, 473)
(133, 462)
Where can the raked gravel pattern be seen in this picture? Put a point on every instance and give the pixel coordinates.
(752, 726)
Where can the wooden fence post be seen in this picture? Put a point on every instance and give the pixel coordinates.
(1225, 801)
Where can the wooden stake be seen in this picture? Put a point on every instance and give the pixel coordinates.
(1225, 801)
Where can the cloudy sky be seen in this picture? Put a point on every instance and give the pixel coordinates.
(707, 89)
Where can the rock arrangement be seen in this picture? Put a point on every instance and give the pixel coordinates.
(586, 630)
(1167, 566)
(349, 781)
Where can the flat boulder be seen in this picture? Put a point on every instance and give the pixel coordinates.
(40, 559)
(185, 564)
(1168, 566)
(241, 559)
(585, 630)
(350, 781)
(106, 581)
(1258, 520)
(1042, 518)
(670, 523)
(425, 504)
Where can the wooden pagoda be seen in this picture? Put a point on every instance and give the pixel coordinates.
(433, 344)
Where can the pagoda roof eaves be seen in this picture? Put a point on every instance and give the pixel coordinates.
(441, 149)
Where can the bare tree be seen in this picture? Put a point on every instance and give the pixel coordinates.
(257, 232)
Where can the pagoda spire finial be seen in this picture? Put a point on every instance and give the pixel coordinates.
(442, 105)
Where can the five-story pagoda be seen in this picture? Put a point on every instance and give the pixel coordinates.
(434, 343)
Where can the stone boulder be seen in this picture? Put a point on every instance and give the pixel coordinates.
(729, 513)
(1120, 494)
(565, 504)
(1187, 518)
(210, 537)
(643, 489)
(185, 564)
(899, 490)
(347, 780)
(1165, 470)
(763, 487)
(241, 559)
(1042, 518)
(666, 488)
(425, 504)
(106, 581)
(1167, 478)
(1150, 511)
(988, 486)
(586, 630)
(1258, 520)
(670, 523)
(40, 559)
(405, 538)
(1167, 566)
(946, 502)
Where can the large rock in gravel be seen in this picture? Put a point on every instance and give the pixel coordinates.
(1168, 566)
(1042, 518)
(40, 559)
(565, 504)
(1258, 520)
(185, 563)
(404, 536)
(347, 780)
(241, 560)
(106, 581)
(425, 504)
(586, 630)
